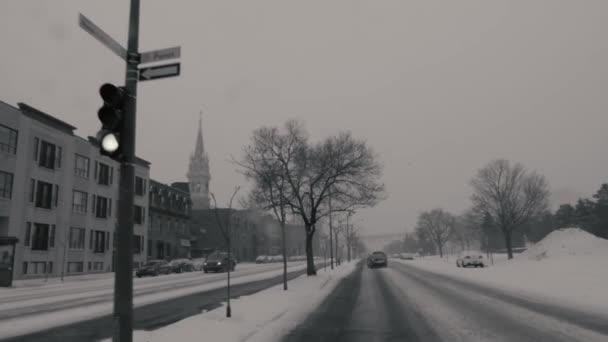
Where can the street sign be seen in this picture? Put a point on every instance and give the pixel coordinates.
(87, 25)
(160, 55)
(161, 71)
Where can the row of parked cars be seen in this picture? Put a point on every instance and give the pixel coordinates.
(215, 262)
(264, 259)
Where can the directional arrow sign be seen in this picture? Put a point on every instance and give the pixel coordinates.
(160, 55)
(94, 30)
(162, 71)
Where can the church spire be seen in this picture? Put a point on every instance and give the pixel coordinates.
(198, 172)
(199, 148)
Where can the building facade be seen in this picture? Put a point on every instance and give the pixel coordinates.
(59, 197)
(169, 222)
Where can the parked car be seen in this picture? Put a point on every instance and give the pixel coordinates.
(377, 259)
(261, 259)
(181, 265)
(469, 258)
(153, 268)
(198, 263)
(219, 262)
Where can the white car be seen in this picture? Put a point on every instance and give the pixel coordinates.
(469, 258)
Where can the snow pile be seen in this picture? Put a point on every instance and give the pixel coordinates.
(262, 317)
(565, 242)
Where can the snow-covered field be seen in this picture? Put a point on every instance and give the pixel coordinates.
(262, 317)
(569, 266)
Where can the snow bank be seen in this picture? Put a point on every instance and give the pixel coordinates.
(567, 241)
(569, 266)
(262, 317)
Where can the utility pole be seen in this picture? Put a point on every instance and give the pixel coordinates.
(117, 141)
(123, 284)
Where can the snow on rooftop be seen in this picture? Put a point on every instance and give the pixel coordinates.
(567, 241)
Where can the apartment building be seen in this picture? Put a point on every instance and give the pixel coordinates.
(59, 197)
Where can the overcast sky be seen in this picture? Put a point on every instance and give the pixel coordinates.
(438, 88)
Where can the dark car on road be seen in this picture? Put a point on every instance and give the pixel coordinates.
(377, 259)
(181, 266)
(218, 262)
(153, 268)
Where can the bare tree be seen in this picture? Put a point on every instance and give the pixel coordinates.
(342, 163)
(225, 228)
(270, 186)
(510, 195)
(438, 226)
(467, 229)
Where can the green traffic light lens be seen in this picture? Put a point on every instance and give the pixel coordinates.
(109, 143)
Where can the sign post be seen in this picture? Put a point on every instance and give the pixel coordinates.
(123, 284)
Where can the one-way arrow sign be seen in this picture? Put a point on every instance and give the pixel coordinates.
(161, 71)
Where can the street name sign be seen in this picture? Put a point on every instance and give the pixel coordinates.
(94, 30)
(160, 55)
(161, 71)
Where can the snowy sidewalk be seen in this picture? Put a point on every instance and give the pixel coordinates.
(263, 317)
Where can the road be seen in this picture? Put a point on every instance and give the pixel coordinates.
(404, 303)
(25, 305)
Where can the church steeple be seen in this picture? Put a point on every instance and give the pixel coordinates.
(198, 172)
(199, 149)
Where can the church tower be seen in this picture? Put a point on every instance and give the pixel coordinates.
(198, 172)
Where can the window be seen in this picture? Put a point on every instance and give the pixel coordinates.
(50, 267)
(140, 186)
(101, 207)
(149, 248)
(24, 267)
(81, 166)
(98, 266)
(38, 267)
(32, 190)
(107, 241)
(28, 234)
(89, 265)
(77, 238)
(139, 214)
(40, 238)
(91, 240)
(44, 195)
(103, 176)
(99, 241)
(75, 266)
(52, 237)
(6, 184)
(47, 155)
(8, 140)
(138, 242)
(79, 201)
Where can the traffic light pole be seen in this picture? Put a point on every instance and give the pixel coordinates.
(123, 284)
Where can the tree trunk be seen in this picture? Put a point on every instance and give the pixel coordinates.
(284, 243)
(310, 262)
(508, 244)
(440, 248)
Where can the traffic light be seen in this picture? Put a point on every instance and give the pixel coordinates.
(111, 117)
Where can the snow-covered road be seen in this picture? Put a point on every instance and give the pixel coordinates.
(405, 303)
(27, 310)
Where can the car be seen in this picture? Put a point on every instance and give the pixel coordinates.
(219, 262)
(406, 256)
(261, 259)
(198, 263)
(377, 259)
(469, 258)
(153, 268)
(181, 265)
